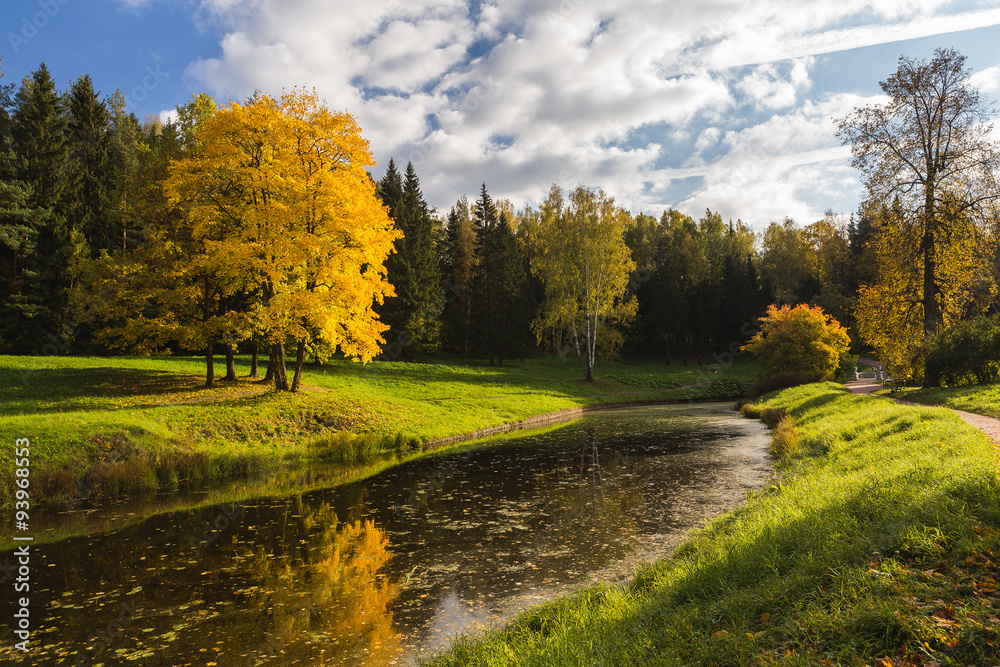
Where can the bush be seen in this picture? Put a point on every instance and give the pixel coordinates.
(965, 353)
(801, 338)
(770, 416)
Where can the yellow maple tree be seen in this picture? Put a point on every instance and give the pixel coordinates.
(279, 194)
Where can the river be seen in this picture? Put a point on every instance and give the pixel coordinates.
(382, 571)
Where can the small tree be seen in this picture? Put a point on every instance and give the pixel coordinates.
(803, 339)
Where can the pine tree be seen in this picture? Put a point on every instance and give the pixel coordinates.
(18, 235)
(459, 264)
(91, 171)
(392, 312)
(498, 283)
(128, 152)
(414, 314)
(422, 289)
(39, 147)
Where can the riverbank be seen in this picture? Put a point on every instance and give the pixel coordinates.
(876, 546)
(131, 427)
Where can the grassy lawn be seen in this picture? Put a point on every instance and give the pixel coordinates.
(128, 425)
(875, 547)
(983, 399)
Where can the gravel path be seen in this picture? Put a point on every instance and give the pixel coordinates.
(988, 425)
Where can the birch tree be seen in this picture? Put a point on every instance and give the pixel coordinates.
(580, 255)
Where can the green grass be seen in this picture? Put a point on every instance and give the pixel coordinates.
(127, 426)
(983, 399)
(875, 547)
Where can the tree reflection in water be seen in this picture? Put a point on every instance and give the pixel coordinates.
(321, 599)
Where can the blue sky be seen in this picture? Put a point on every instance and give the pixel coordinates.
(721, 104)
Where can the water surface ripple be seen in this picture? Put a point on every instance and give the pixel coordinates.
(381, 571)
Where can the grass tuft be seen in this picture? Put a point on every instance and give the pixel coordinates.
(785, 441)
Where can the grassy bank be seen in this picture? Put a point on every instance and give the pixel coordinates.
(876, 547)
(983, 399)
(132, 426)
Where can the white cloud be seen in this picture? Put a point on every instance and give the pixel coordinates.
(770, 90)
(625, 96)
(987, 80)
(709, 137)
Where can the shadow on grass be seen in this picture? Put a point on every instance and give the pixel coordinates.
(17, 391)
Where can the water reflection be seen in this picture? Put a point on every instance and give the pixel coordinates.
(380, 571)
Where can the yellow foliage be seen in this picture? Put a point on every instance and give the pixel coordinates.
(801, 338)
(579, 252)
(279, 199)
(890, 312)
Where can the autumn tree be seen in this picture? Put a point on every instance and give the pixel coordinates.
(278, 193)
(799, 338)
(889, 310)
(926, 157)
(786, 261)
(579, 252)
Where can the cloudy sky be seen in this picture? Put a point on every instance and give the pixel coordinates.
(690, 104)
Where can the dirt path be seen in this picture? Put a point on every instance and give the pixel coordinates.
(988, 425)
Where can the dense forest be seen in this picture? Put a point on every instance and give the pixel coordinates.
(97, 224)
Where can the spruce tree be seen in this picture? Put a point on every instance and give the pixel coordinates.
(459, 263)
(18, 235)
(414, 314)
(391, 311)
(38, 133)
(423, 284)
(127, 155)
(499, 282)
(91, 171)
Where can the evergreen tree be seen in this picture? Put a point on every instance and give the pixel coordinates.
(422, 285)
(392, 312)
(39, 147)
(459, 262)
(498, 282)
(414, 269)
(128, 152)
(18, 235)
(91, 170)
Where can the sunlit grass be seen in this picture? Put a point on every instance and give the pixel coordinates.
(875, 547)
(983, 399)
(145, 416)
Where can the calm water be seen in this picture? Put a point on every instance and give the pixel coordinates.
(382, 571)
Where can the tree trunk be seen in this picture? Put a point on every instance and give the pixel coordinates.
(271, 357)
(253, 360)
(210, 363)
(280, 372)
(579, 354)
(230, 363)
(931, 314)
(300, 354)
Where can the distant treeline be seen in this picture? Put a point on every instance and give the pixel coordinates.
(81, 178)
